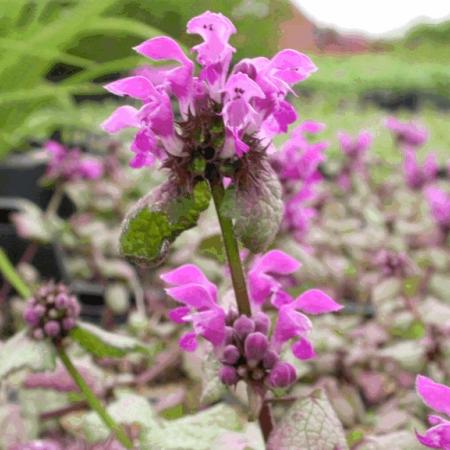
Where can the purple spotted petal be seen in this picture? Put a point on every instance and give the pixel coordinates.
(436, 437)
(188, 342)
(315, 301)
(303, 349)
(122, 117)
(178, 315)
(434, 395)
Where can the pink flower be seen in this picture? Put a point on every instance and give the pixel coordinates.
(294, 325)
(355, 147)
(418, 176)
(251, 100)
(408, 133)
(437, 397)
(199, 297)
(439, 202)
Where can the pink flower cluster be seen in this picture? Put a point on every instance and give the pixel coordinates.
(70, 164)
(437, 397)
(439, 202)
(411, 134)
(51, 312)
(297, 166)
(244, 345)
(416, 175)
(250, 98)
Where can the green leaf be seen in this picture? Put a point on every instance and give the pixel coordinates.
(159, 218)
(22, 352)
(196, 432)
(256, 207)
(105, 344)
(127, 409)
(212, 247)
(309, 424)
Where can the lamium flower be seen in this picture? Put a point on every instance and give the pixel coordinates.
(297, 166)
(231, 110)
(245, 345)
(355, 147)
(411, 134)
(437, 397)
(52, 312)
(439, 203)
(418, 176)
(67, 164)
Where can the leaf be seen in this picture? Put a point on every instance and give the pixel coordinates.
(128, 409)
(212, 247)
(195, 432)
(256, 207)
(21, 352)
(213, 388)
(105, 344)
(399, 440)
(158, 218)
(310, 424)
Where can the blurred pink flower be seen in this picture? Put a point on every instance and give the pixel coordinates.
(407, 133)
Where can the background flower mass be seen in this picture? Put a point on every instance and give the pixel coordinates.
(216, 235)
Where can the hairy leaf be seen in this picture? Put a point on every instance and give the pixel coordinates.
(309, 424)
(158, 218)
(22, 352)
(105, 344)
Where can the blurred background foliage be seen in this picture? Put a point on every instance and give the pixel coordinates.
(55, 54)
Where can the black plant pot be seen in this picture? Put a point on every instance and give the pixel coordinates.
(19, 177)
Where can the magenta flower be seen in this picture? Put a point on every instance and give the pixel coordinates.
(355, 147)
(250, 99)
(418, 176)
(199, 297)
(411, 134)
(439, 202)
(70, 164)
(437, 397)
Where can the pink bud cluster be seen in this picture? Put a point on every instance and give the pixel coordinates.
(67, 164)
(248, 354)
(51, 312)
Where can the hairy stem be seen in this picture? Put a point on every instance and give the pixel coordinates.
(92, 399)
(232, 250)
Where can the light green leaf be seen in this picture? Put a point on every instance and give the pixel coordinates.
(195, 432)
(21, 352)
(158, 218)
(105, 344)
(310, 424)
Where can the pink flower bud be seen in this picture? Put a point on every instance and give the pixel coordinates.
(262, 322)
(68, 323)
(244, 326)
(31, 316)
(229, 334)
(282, 375)
(61, 301)
(270, 359)
(231, 355)
(228, 375)
(52, 328)
(256, 345)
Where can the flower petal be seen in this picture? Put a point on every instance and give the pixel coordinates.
(276, 261)
(314, 301)
(303, 349)
(122, 117)
(177, 315)
(185, 274)
(290, 324)
(436, 437)
(194, 295)
(137, 87)
(211, 325)
(434, 395)
(162, 47)
(188, 342)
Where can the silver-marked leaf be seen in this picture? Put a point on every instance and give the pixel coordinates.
(256, 207)
(195, 432)
(310, 424)
(22, 352)
(213, 388)
(158, 218)
(127, 409)
(104, 344)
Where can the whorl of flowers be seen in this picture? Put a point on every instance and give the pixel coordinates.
(297, 167)
(51, 312)
(70, 164)
(246, 346)
(437, 397)
(439, 203)
(411, 134)
(222, 112)
(416, 175)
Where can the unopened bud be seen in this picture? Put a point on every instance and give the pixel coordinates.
(282, 375)
(255, 346)
(243, 326)
(231, 355)
(262, 322)
(228, 375)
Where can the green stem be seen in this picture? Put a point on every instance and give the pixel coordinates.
(92, 399)
(232, 250)
(11, 275)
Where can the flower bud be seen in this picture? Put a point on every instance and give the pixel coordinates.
(270, 359)
(255, 346)
(231, 355)
(229, 334)
(262, 322)
(61, 301)
(52, 328)
(243, 326)
(282, 375)
(68, 323)
(31, 316)
(228, 375)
